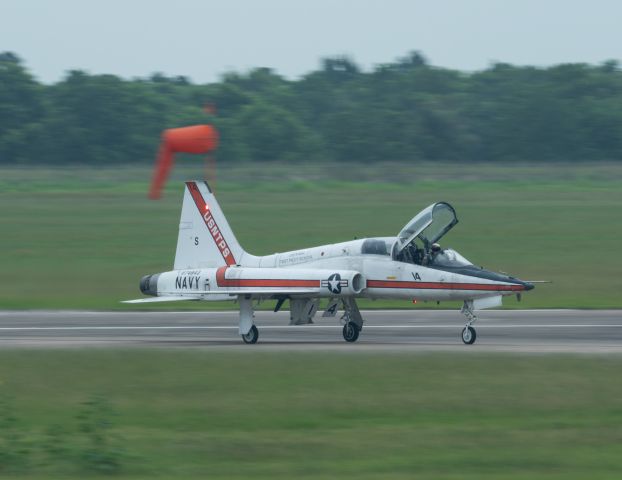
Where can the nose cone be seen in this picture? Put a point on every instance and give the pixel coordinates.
(527, 286)
(519, 285)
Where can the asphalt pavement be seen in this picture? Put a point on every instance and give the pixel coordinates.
(532, 331)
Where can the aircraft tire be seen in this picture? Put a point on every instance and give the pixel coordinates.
(252, 335)
(469, 335)
(351, 332)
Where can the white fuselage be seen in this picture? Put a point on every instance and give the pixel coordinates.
(306, 273)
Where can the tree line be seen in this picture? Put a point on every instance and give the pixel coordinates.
(407, 110)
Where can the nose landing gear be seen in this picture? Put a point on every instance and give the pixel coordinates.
(468, 333)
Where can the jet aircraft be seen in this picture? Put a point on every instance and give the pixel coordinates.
(211, 265)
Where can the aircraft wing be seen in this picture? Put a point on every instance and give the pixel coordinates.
(171, 298)
(267, 292)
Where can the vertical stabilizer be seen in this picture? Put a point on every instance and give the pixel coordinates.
(205, 238)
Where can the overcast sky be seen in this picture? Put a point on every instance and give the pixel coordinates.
(203, 39)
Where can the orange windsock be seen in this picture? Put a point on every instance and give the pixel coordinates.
(194, 139)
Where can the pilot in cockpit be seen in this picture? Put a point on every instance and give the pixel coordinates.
(435, 249)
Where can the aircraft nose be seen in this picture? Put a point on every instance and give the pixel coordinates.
(527, 286)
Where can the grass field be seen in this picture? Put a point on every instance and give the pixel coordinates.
(76, 238)
(80, 239)
(219, 414)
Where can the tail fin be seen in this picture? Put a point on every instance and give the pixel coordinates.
(205, 237)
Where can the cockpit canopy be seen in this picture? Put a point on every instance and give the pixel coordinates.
(376, 246)
(428, 226)
(414, 244)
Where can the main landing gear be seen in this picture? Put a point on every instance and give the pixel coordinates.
(248, 331)
(468, 333)
(251, 336)
(353, 321)
(351, 332)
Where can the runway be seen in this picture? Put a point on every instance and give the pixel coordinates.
(533, 331)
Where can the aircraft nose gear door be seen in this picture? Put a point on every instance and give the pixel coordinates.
(353, 321)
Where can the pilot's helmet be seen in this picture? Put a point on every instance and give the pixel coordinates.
(436, 248)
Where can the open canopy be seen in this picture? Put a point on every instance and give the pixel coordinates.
(429, 226)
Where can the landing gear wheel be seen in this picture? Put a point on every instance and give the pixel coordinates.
(251, 336)
(469, 335)
(351, 332)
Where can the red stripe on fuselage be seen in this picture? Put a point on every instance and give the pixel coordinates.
(442, 286)
(222, 281)
(210, 223)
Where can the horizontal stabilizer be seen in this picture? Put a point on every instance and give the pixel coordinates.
(171, 298)
(260, 292)
(251, 291)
